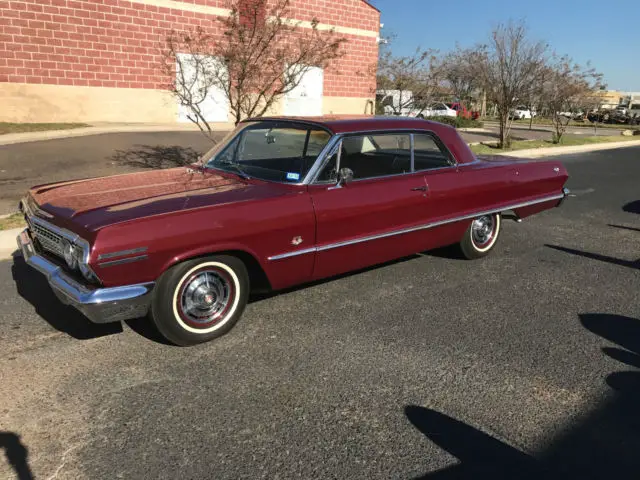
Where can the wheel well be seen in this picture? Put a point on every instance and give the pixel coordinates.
(258, 280)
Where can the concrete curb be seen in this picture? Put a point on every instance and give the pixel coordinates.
(8, 243)
(12, 138)
(474, 130)
(544, 152)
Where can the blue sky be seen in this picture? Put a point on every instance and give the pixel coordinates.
(605, 32)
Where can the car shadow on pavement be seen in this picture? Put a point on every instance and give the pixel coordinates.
(603, 443)
(597, 256)
(264, 295)
(156, 156)
(16, 454)
(35, 289)
(145, 327)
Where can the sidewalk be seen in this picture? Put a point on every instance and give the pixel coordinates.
(554, 151)
(8, 242)
(97, 129)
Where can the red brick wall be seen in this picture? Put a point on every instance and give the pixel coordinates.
(114, 43)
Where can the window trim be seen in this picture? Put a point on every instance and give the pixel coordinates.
(323, 159)
(440, 144)
(253, 124)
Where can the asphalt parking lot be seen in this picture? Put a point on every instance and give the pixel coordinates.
(520, 365)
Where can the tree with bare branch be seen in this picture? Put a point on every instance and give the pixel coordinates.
(261, 56)
(407, 84)
(508, 67)
(569, 88)
(458, 73)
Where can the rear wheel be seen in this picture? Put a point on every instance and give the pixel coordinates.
(481, 236)
(201, 299)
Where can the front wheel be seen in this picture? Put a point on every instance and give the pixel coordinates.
(201, 299)
(481, 236)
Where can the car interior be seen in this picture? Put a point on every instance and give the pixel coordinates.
(383, 155)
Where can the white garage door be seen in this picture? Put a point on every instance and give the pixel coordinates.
(306, 98)
(212, 101)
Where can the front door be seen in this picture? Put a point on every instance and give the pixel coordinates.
(358, 224)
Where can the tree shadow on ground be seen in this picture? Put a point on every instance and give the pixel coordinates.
(35, 289)
(602, 444)
(16, 454)
(156, 156)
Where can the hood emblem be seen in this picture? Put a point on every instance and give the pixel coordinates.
(296, 241)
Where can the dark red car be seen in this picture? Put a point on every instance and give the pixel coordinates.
(279, 202)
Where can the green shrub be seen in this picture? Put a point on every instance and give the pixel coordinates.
(458, 122)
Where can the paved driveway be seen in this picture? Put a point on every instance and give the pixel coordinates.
(507, 367)
(27, 164)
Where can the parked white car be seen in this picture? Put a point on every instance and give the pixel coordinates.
(577, 114)
(521, 112)
(437, 109)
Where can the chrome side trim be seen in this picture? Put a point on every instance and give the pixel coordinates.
(121, 253)
(425, 226)
(120, 261)
(295, 253)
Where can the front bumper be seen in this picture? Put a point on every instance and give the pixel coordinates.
(100, 305)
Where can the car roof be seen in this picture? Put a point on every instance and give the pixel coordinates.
(359, 123)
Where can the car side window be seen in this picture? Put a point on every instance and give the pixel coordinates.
(371, 156)
(428, 154)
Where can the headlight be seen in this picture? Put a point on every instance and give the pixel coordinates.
(75, 256)
(70, 252)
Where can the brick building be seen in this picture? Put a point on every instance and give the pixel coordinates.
(98, 60)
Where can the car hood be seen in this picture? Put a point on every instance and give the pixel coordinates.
(97, 202)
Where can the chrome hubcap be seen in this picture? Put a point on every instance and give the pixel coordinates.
(482, 229)
(205, 296)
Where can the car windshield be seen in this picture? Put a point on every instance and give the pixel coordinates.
(270, 150)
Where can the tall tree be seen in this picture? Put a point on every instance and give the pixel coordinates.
(260, 57)
(458, 73)
(509, 67)
(409, 81)
(568, 88)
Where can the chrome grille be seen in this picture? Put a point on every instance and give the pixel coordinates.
(49, 240)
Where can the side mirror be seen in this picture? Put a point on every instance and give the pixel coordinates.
(345, 175)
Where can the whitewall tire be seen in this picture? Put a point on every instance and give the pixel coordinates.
(201, 299)
(481, 236)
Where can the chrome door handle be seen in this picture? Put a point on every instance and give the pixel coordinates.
(420, 189)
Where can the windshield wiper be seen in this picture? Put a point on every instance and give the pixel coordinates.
(237, 168)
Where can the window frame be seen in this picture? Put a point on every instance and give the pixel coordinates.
(336, 147)
(255, 125)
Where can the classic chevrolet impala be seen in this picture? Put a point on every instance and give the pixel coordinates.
(279, 202)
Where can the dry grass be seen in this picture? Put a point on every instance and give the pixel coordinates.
(6, 127)
(15, 220)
